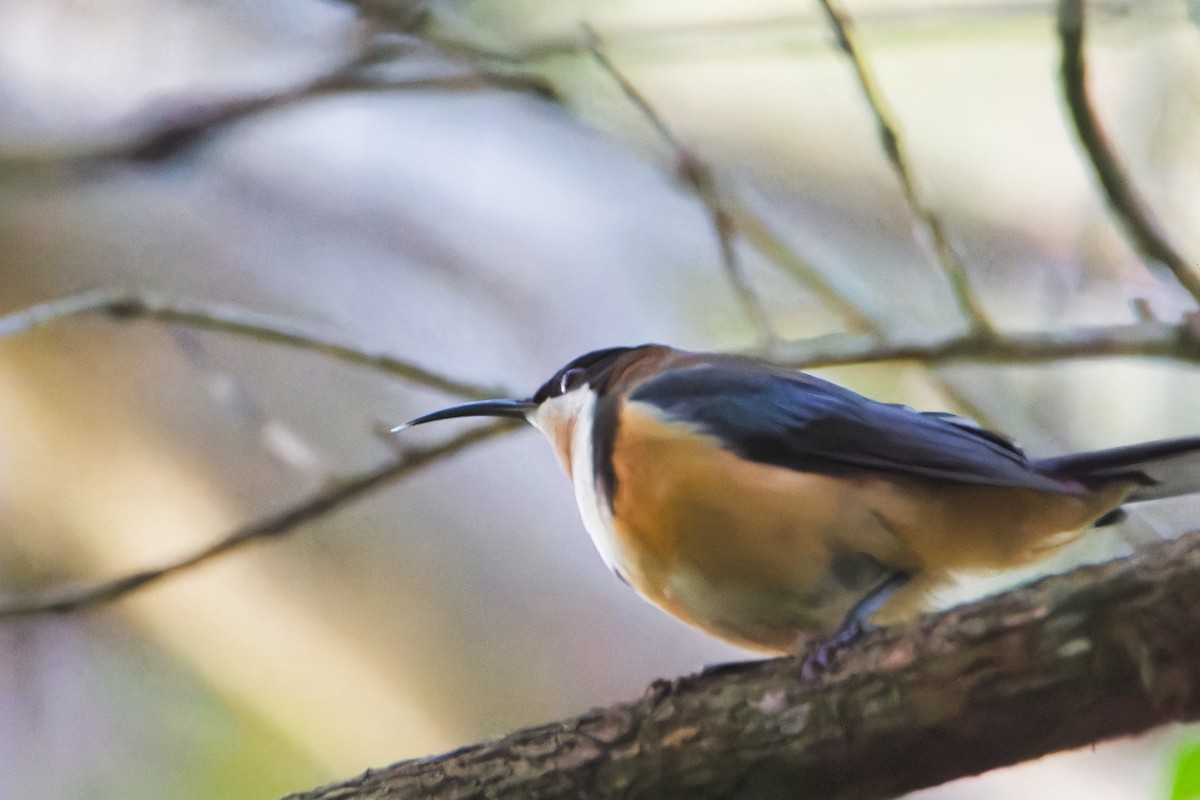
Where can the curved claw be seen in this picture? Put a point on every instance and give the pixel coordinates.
(820, 659)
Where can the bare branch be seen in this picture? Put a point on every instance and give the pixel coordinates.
(1104, 651)
(698, 177)
(751, 302)
(1141, 227)
(231, 319)
(275, 526)
(1179, 342)
(397, 15)
(184, 123)
(893, 146)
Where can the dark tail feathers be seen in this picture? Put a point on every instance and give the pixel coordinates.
(1165, 468)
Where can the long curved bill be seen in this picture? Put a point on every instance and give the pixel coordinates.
(482, 408)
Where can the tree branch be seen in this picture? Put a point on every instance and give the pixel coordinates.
(893, 147)
(1141, 228)
(274, 526)
(1105, 651)
(230, 319)
(1176, 341)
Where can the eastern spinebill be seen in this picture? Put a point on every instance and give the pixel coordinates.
(774, 509)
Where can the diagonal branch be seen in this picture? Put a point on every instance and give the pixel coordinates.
(1104, 651)
(699, 179)
(893, 147)
(758, 234)
(274, 526)
(237, 321)
(185, 123)
(734, 218)
(1141, 228)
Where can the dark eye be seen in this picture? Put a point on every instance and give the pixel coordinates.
(572, 379)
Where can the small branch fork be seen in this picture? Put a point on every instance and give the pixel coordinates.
(1142, 229)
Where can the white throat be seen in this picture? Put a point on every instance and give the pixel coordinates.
(566, 421)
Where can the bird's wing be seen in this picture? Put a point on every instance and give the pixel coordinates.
(793, 420)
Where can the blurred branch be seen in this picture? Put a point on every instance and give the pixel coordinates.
(759, 235)
(317, 505)
(237, 321)
(397, 15)
(757, 30)
(1178, 341)
(180, 125)
(1141, 228)
(893, 146)
(1104, 651)
(699, 179)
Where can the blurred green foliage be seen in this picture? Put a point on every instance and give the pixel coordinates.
(1186, 783)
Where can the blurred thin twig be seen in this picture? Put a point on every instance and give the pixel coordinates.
(1141, 228)
(756, 30)
(762, 238)
(893, 147)
(699, 179)
(231, 319)
(315, 506)
(1178, 341)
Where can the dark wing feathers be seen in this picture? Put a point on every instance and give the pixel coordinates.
(1165, 468)
(793, 420)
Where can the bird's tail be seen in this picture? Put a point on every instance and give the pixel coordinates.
(1166, 468)
(1158, 469)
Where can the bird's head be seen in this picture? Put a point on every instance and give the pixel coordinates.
(564, 402)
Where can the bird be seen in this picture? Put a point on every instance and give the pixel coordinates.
(787, 514)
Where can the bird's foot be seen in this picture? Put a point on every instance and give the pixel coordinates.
(820, 659)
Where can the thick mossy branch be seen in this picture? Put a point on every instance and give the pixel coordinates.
(1104, 651)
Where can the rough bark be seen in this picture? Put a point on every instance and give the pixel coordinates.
(1104, 651)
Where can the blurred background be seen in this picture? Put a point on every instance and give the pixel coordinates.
(478, 195)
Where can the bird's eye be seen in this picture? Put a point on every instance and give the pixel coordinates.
(572, 379)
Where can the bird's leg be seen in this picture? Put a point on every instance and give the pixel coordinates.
(856, 624)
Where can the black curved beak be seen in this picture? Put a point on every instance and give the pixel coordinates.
(518, 409)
